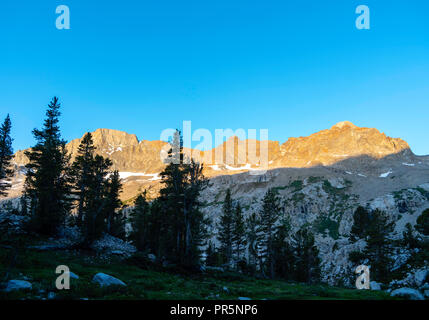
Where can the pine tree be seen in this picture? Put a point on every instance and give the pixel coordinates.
(269, 217)
(306, 257)
(94, 220)
(409, 240)
(361, 222)
(48, 181)
(225, 232)
(83, 174)
(23, 206)
(213, 257)
(422, 224)
(378, 245)
(283, 253)
(238, 232)
(97, 192)
(6, 155)
(118, 224)
(185, 230)
(115, 222)
(140, 218)
(253, 240)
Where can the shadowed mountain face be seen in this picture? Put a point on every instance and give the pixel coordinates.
(344, 145)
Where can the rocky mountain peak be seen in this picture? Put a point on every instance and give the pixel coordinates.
(344, 124)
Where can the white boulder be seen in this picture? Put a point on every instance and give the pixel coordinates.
(375, 285)
(105, 280)
(420, 276)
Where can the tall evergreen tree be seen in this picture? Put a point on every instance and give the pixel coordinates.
(238, 232)
(253, 239)
(185, 231)
(408, 238)
(283, 253)
(23, 206)
(306, 257)
(97, 191)
(94, 220)
(140, 218)
(361, 223)
(422, 224)
(83, 173)
(379, 245)
(269, 218)
(115, 223)
(226, 225)
(213, 257)
(48, 181)
(6, 155)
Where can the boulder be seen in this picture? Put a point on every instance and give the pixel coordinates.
(51, 295)
(151, 257)
(407, 293)
(219, 269)
(73, 275)
(420, 277)
(375, 285)
(13, 285)
(105, 280)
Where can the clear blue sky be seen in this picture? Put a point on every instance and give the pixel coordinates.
(294, 67)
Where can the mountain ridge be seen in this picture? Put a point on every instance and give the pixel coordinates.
(139, 161)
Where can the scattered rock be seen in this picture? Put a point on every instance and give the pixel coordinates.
(105, 280)
(109, 244)
(375, 285)
(219, 269)
(407, 293)
(420, 277)
(118, 252)
(17, 285)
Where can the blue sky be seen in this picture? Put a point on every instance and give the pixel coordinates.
(294, 67)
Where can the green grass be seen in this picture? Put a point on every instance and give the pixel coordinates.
(150, 283)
